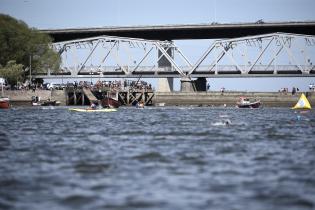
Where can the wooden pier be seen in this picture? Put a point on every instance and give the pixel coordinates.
(127, 97)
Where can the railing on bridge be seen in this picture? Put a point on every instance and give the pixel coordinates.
(202, 71)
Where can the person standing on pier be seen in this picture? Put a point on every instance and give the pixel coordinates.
(222, 90)
(293, 91)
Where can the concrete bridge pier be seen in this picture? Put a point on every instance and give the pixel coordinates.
(189, 85)
(165, 84)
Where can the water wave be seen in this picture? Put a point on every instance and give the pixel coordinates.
(157, 158)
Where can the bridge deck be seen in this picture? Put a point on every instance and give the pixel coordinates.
(194, 31)
(177, 75)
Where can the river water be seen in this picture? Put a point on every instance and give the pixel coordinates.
(157, 158)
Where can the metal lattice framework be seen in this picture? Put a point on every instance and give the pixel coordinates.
(119, 57)
(276, 54)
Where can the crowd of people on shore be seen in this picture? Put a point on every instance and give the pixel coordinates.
(117, 85)
(25, 86)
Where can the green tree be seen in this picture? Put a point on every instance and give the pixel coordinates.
(20, 43)
(12, 72)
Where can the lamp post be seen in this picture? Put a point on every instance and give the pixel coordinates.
(99, 74)
(61, 76)
(215, 11)
(91, 76)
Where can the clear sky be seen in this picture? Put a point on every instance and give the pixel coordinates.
(47, 14)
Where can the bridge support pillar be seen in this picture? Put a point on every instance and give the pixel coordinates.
(187, 85)
(165, 84)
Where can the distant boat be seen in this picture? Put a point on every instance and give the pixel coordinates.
(36, 102)
(4, 103)
(302, 103)
(245, 102)
(50, 103)
(110, 102)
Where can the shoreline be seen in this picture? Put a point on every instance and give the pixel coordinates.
(211, 98)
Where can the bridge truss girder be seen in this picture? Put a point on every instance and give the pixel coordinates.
(118, 52)
(269, 55)
(267, 50)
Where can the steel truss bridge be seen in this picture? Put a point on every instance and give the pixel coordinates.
(268, 55)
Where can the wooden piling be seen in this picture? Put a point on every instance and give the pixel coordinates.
(74, 98)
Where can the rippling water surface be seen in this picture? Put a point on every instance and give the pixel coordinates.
(157, 158)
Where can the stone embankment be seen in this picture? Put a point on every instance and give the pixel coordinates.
(24, 97)
(270, 99)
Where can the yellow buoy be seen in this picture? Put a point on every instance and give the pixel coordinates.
(302, 103)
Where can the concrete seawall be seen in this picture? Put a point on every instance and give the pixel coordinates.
(270, 99)
(24, 97)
